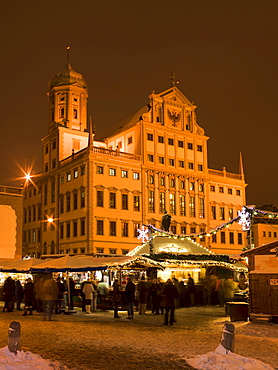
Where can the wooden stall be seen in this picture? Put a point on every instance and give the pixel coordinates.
(263, 282)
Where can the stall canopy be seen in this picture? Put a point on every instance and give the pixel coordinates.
(23, 266)
(69, 264)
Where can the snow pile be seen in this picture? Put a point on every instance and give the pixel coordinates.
(26, 361)
(221, 360)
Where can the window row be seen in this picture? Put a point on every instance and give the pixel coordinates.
(113, 172)
(31, 236)
(221, 189)
(117, 228)
(173, 183)
(72, 201)
(171, 141)
(53, 146)
(196, 208)
(222, 213)
(173, 163)
(269, 234)
(113, 201)
(72, 228)
(229, 237)
(32, 213)
(73, 174)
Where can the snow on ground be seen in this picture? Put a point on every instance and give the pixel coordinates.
(221, 360)
(26, 361)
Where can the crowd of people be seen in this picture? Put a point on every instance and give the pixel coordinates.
(50, 296)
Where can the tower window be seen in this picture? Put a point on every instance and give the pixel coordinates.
(62, 112)
(75, 115)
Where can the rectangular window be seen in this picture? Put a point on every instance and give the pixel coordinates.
(53, 164)
(161, 160)
(192, 206)
(112, 171)
(68, 202)
(199, 148)
(264, 234)
(212, 188)
(174, 229)
(82, 226)
(112, 200)
(222, 237)
(61, 231)
(75, 173)
(112, 251)
(231, 214)
(136, 227)
(180, 144)
(190, 146)
(125, 229)
(201, 207)
(136, 176)
(183, 230)
(213, 212)
(232, 238)
(112, 228)
(100, 170)
(214, 238)
(170, 141)
(124, 201)
(269, 234)
(151, 201)
(124, 174)
(239, 238)
(68, 176)
(181, 164)
(230, 191)
(82, 170)
(150, 157)
(275, 234)
(46, 149)
(100, 198)
(221, 189)
(136, 203)
(68, 229)
(161, 202)
(150, 137)
(222, 213)
(200, 167)
(190, 165)
(129, 140)
(182, 205)
(172, 200)
(53, 192)
(75, 228)
(45, 195)
(171, 162)
(82, 202)
(100, 227)
(160, 139)
(62, 180)
(46, 167)
(237, 192)
(100, 250)
(74, 200)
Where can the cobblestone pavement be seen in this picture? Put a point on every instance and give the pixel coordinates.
(100, 342)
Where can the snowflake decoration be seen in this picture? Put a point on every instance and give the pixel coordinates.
(143, 234)
(245, 219)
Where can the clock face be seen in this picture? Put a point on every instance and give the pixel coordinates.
(174, 117)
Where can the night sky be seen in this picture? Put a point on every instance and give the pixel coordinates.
(224, 54)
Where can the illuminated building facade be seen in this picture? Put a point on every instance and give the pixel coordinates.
(99, 192)
(11, 206)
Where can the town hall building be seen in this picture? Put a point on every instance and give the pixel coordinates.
(99, 186)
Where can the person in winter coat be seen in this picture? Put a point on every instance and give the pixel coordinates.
(130, 297)
(142, 296)
(116, 298)
(19, 294)
(29, 296)
(171, 294)
(191, 289)
(49, 296)
(88, 290)
(8, 294)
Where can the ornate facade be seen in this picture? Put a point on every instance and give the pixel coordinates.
(99, 192)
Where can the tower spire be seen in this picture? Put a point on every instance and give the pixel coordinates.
(68, 56)
(241, 169)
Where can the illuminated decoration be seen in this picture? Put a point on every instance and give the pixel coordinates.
(244, 218)
(50, 219)
(143, 234)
